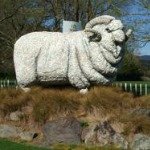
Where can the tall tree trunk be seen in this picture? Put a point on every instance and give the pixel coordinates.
(77, 13)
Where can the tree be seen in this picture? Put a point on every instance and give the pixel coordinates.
(131, 68)
(146, 5)
(18, 17)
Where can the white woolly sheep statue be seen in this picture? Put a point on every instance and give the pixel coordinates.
(80, 58)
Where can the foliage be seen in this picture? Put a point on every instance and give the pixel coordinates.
(146, 5)
(130, 69)
(146, 68)
(16, 19)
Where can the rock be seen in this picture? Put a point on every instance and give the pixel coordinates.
(7, 131)
(141, 111)
(16, 116)
(103, 134)
(140, 142)
(28, 136)
(118, 127)
(63, 130)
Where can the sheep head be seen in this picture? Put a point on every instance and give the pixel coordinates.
(107, 32)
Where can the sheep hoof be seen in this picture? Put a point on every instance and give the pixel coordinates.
(84, 91)
(25, 89)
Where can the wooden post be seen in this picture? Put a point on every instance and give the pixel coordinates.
(125, 86)
(135, 88)
(121, 85)
(140, 89)
(8, 83)
(145, 89)
(4, 83)
(117, 84)
(1, 84)
(130, 87)
(15, 82)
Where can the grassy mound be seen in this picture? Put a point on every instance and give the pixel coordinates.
(101, 103)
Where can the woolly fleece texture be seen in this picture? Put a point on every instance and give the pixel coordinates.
(77, 58)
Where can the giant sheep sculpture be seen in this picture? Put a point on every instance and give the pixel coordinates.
(78, 58)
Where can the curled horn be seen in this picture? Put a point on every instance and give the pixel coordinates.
(105, 19)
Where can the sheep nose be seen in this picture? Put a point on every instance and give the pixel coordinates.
(119, 36)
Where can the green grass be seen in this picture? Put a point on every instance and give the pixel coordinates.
(9, 145)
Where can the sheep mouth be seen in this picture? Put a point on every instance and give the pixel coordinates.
(115, 50)
(118, 43)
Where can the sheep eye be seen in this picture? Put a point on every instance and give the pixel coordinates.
(124, 29)
(108, 30)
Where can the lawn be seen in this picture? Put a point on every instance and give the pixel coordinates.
(8, 145)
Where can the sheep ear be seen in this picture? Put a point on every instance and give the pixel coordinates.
(93, 35)
(128, 34)
(89, 34)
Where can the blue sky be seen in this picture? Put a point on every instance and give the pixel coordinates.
(133, 20)
(140, 15)
(145, 50)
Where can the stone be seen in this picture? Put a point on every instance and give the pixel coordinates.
(16, 116)
(118, 127)
(91, 56)
(141, 111)
(103, 134)
(69, 26)
(63, 130)
(140, 142)
(9, 131)
(28, 136)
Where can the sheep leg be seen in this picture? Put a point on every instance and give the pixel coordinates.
(84, 91)
(26, 76)
(25, 71)
(75, 75)
(25, 89)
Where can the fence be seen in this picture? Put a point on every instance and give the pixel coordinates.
(134, 87)
(8, 83)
